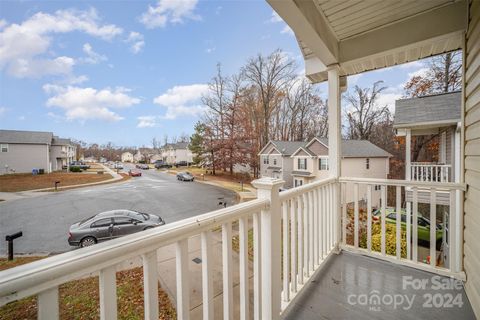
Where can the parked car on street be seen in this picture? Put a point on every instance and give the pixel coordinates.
(109, 225)
(134, 173)
(118, 165)
(423, 224)
(181, 164)
(185, 176)
(162, 166)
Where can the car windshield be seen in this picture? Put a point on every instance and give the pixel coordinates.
(139, 215)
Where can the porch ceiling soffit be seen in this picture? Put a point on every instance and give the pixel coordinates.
(421, 34)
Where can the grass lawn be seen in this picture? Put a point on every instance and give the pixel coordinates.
(26, 181)
(79, 299)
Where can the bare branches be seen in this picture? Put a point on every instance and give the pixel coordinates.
(364, 112)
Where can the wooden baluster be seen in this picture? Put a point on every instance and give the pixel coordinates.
(48, 308)
(244, 278)
(207, 276)
(227, 271)
(108, 293)
(257, 267)
(286, 256)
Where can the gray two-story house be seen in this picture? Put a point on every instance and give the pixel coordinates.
(23, 151)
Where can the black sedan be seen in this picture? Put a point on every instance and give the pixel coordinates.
(109, 225)
(185, 176)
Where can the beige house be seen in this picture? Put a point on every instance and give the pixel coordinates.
(23, 151)
(127, 157)
(173, 153)
(360, 159)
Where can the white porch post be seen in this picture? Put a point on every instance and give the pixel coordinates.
(334, 146)
(334, 123)
(268, 188)
(408, 154)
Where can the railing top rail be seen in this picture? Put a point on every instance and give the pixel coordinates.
(429, 164)
(289, 194)
(50, 272)
(406, 183)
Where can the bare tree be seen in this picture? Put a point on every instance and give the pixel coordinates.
(363, 111)
(270, 75)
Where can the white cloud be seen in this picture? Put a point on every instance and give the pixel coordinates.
(136, 41)
(275, 18)
(413, 64)
(388, 99)
(92, 56)
(89, 103)
(24, 47)
(422, 72)
(287, 30)
(218, 10)
(210, 50)
(182, 100)
(3, 110)
(169, 11)
(21, 118)
(146, 121)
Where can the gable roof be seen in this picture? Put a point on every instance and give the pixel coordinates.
(61, 141)
(178, 145)
(439, 108)
(28, 137)
(359, 149)
(305, 149)
(287, 148)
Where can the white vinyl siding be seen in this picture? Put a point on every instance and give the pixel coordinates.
(471, 260)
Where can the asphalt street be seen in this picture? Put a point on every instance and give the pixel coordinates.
(45, 220)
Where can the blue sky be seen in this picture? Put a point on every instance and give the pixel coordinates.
(128, 71)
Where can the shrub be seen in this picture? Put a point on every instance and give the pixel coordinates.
(75, 169)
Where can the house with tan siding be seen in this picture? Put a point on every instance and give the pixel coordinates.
(23, 151)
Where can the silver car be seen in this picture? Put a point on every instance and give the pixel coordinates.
(110, 225)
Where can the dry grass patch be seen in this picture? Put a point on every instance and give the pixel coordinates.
(26, 181)
(79, 299)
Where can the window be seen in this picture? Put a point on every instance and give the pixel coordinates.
(102, 223)
(378, 187)
(265, 160)
(122, 221)
(367, 163)
(4, 147)
(302, 163)
(275, 162)
(298, 182)
(323, 164)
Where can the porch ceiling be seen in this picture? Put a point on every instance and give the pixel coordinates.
(364, 35)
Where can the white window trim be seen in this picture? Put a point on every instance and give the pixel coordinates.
(304, 160)
(2, 146)
(320, 163)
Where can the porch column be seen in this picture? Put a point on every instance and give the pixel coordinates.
(408, 154)
(334, 148)
(334, 121)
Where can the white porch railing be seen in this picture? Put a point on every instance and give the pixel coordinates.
(357, 221)
(430, 172)
(294, 233)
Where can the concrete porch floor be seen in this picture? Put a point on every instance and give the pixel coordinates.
(345, 286)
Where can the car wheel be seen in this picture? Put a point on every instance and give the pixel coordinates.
(88, 241)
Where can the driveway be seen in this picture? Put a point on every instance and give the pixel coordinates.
(45, 219)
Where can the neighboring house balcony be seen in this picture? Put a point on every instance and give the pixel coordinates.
(306, 242)
(430, 171)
